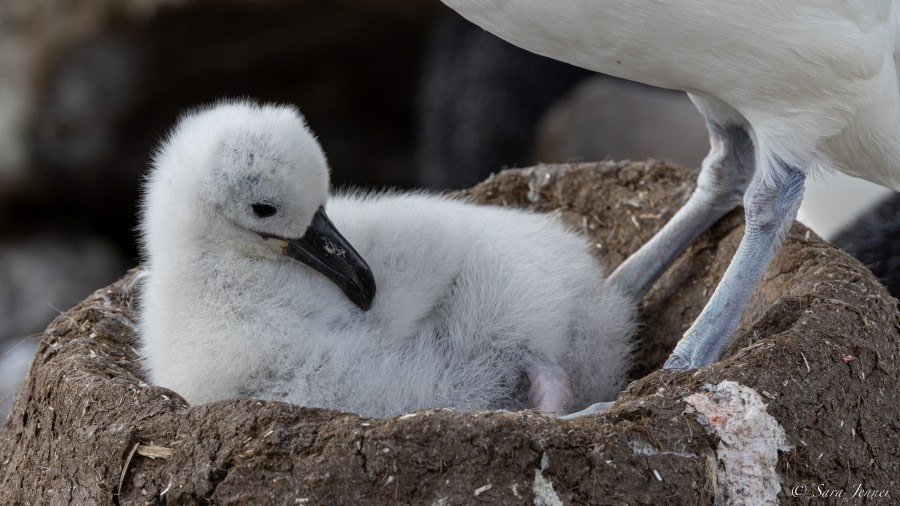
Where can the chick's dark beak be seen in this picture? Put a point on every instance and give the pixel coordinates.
(324, 249)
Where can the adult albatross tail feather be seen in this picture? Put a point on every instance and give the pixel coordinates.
(476, 307)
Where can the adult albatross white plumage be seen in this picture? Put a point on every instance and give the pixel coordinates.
(251, 291)
(787, 89)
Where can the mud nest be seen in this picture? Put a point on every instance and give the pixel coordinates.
(804, 402)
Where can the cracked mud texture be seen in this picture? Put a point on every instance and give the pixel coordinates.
(819, 342)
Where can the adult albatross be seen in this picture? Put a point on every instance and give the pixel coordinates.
(787, 89)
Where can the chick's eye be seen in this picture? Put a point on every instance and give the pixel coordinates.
(263, 210)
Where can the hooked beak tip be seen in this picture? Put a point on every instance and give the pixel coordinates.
(324, 249)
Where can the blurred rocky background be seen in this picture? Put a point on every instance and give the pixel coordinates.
(400, 93)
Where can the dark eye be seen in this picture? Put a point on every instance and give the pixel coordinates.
(263, 210)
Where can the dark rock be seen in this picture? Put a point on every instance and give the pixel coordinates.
(484, 103)
(874, 238)
(480, 102)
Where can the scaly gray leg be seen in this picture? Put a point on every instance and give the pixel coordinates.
(770, 212)
(725, 174)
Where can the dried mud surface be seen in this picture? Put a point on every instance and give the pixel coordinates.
(820, 342)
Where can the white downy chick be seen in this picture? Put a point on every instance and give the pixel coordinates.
(250, 291)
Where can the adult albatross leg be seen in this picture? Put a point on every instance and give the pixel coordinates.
(770, 209)
(724, 176)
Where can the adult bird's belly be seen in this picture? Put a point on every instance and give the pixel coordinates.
(695, 45)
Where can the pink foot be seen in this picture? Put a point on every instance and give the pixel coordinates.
(551, 390)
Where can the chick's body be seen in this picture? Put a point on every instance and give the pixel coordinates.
(467, 296)
(469, 299)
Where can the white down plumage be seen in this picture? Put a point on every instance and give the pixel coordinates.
(249, 291)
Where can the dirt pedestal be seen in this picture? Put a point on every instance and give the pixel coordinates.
(804, 402)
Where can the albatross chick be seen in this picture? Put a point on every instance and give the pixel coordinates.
(251, 290)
